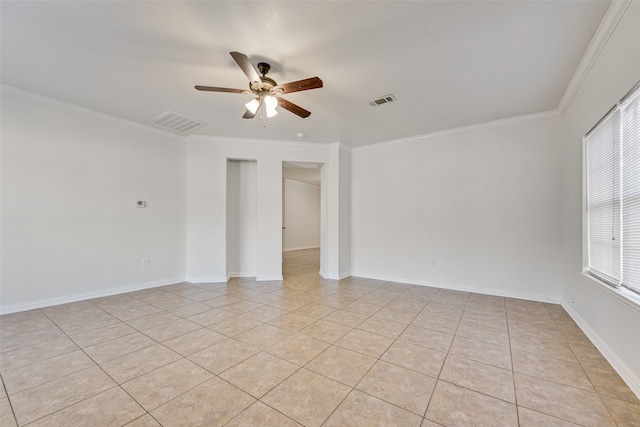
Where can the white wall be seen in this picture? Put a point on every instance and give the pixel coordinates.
(206, 206)
(241, 218)
(344, 174)
(301, 215)
(609, 321)
(476, 210)
(70, 227)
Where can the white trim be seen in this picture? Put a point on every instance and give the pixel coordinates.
(14, 308)
(232, 274)
(545, 115)
(4, 88)
(620, 367)
(339, 276)
(328, 276)
(342, 146)
(625, 296)
(302, 247)
(269, 278)
(598, 42)
(302, 182)
(467, 288)
(211, 279)
(222, 139)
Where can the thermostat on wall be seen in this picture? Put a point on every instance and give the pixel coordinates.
(141, 204)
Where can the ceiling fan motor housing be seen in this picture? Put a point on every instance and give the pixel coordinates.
(267, 83)
(264, 68)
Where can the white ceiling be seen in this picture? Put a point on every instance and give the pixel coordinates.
(449, 63)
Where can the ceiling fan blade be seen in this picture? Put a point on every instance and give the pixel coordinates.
(243, 62)
(221, 89)
(297, 86)
(248, 115)
(295, 109)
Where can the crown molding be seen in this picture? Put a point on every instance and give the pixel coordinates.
(222, 139)
(598, 42)
(341, 146)
(545, 115)
(25, 94)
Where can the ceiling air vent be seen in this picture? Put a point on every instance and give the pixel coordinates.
(177, 122)
(384, 100)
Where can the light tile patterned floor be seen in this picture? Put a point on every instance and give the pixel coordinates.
(305, 351)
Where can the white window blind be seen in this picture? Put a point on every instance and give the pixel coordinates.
(630, 115)
(603, 199)
(613, 195)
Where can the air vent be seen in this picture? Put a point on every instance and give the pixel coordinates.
(384, 100)
(177, 122)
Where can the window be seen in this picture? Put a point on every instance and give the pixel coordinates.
(612, 151)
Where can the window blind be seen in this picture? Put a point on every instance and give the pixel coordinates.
(630, 159)
(603, 199)
(612, 165)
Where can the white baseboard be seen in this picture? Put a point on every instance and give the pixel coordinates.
(300, 248)
(31, 305)
(230, 275)
(468, 288)
(208, 279)
(620, 367)
(328, 276)
(266, 278)
(259, 278)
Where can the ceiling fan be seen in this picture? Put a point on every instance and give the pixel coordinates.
(267, 90)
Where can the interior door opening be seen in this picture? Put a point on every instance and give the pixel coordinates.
(241, 218)
(302, 203)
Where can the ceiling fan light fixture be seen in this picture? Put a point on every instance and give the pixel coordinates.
(253, 105)
(270, 104)
(271, 112)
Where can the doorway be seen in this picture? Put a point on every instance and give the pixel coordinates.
(241, 218)
(301, 218)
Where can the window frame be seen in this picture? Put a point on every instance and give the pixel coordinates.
(623, 292)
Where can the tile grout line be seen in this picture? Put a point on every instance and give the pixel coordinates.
(584, 371)
(13, 413)
(117, 385)
(380, 358)
(546, 380)
(322, 352)
(445, 359)
(371, 367)
(513, 375)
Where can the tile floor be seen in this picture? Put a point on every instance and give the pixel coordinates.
(305, 351)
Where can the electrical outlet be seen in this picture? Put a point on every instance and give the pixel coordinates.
(573, 301)
(146, 262)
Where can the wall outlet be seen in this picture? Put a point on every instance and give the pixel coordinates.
(573, 301)
(146, 262)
